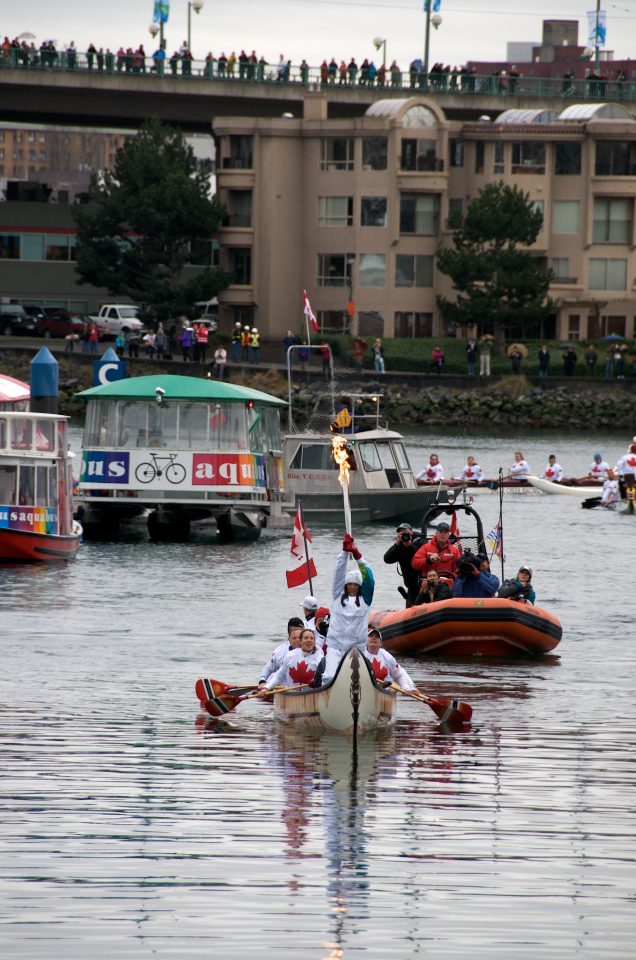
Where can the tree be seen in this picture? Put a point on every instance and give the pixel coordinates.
(144, 221)
(499, 282)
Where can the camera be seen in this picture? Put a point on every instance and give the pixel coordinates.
(468, 562)
(406, 538)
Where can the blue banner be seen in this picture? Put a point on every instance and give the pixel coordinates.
(162, 11)
(436, 5)
(597, 28)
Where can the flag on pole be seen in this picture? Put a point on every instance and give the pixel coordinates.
(161, 11)
(495, 538)
(597, 28)
(302, 566)
(309, 313)
(434, 6)
(455, 535)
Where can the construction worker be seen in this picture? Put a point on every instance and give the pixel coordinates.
(237, 336)
(246, 338)
(255, 342)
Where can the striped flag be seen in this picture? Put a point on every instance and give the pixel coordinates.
(495, 538)
(309, 313)
(302, 565)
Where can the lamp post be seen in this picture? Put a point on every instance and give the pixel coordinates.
(436, 20)
(197, 6)
(381, 42)
(596, 51)
(155, 29)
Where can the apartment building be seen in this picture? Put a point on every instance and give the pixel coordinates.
(353, 211)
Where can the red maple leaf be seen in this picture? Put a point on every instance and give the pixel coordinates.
(301, 673)
(379, 669)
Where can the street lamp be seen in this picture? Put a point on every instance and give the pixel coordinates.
(154, 29)
(197, 6)
(436, 20)
(381, 42)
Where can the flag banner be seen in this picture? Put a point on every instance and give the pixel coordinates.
(435, 7)
(597, 28)
(309, 313)
(161, 12)
(455, 535)
(495, 538)
(302, 566)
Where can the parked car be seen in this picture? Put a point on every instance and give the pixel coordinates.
(15, 320)
(114, 318)
(208, 314)
(56, 322)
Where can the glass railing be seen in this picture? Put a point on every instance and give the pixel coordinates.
(459, 83)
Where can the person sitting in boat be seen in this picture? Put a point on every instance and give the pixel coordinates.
(432, 589)
(384, 665)
(553, 470)
(294, 629)
(598, 468)
(438, 554)
(322, 626)
(475, 578)
(520, 469)
(310, 605)
(433, 473)
(299, 666)
(352, 592)
(610, 494)
(472, 472)
(520, 587)
(626, 466)
(402, 552)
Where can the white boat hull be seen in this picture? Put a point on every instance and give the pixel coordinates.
(352, 705)
(547, 486)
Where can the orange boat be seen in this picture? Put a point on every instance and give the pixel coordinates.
(491, 627)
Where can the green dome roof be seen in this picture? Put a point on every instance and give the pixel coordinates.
(179, 388)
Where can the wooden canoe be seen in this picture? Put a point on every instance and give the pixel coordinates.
(352, 704)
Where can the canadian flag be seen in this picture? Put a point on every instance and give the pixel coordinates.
(454, 529)
(309, 313)
(302, 566)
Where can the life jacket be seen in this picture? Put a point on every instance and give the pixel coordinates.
(237, 335)
(201, 333)
(245, 338)
(255, 340)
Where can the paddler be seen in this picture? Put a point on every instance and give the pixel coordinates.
(610, 493)
(519, 469)
(384, 664)
(298, 667)
(552, 471)
(310, 605)
(598, 468)
(352, 592)
(433, 473)
(472, 472)
(282, 650)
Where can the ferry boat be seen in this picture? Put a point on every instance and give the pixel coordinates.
(36, 489)
(183, 448)
(382, 486)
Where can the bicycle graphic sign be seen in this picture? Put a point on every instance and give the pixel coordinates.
(168, 470)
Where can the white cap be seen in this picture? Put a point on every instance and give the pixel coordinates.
(254, 330)
(310, 603)
(524, 566)
(353, 576)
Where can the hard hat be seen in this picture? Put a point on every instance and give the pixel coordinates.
(254, 330)
(353, 576)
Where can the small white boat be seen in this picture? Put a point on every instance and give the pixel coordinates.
(566, 489)
(353, 703)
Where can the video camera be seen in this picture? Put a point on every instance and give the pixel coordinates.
(468, 562)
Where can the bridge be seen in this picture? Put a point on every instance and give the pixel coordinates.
(189, 94)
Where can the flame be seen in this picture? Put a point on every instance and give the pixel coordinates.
(341, 456)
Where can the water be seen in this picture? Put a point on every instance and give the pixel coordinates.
(131, 827)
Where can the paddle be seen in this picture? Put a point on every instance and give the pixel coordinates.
(448, 711)
(590, 503)
(219, 698)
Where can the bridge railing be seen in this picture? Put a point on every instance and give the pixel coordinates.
(459, 83)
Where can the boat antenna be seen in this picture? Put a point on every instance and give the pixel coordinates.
(501, 536)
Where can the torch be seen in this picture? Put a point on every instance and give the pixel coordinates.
(341, 456)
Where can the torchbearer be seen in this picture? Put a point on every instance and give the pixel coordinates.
(352, 595)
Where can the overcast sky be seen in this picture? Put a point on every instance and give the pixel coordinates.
(471, 29)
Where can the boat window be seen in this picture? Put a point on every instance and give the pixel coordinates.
(256, 430)
(21, 434)
(131, 419)
(162, 425)
(314, 456)
(386, 457)
(401, 457)
(370, 457)
(193, 426)
(3, 434)
(8, 477)
(228, 426)
(26, 485)
(91, 427)
(41, 486)
(44, 434)
(52, 478)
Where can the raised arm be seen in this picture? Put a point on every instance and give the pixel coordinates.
(339, 574)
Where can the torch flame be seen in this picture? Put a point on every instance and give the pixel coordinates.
(341, 456)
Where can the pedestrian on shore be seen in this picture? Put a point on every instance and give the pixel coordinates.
(485, 350)
(358, 349)
(325, 356)
(289, 341)
(378, 356)
(472, 351)
(237, 337)
(437, 357)
(608, 371)
(544, 360)
(220, 359)
(591, 359)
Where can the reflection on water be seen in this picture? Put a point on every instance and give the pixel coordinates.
(131, 826)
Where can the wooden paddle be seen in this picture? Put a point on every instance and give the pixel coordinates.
(448, 711)
(219, 698)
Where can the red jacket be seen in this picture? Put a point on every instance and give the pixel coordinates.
(448, 557)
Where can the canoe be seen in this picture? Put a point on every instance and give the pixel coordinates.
(489, 486)
(565, 488)
(353, 703)
(491, 627)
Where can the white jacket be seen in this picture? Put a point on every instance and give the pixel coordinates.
(553, 472)
(519, 469)
(297, 667)
(349, 621)
(275, 661)
(385, 666)
(472, 473)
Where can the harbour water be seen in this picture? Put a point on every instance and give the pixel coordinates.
(132, 827)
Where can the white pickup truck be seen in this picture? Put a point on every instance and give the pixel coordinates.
(114, 318)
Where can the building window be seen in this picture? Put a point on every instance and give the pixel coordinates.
(1, 153)
(56, 248)
(332, 321)
(31, 155)
(561, 269)
(374, 153)
(31, 138)
(499, 163)
(612, 324)
(413, 270)
(419, 155)
(456, 151)
(608, 274)
(565, 216)
(567, 158)
(419, 214)
(455, 213)
(42, 154)
(239, 204)
(371, 323)
(334, 269)
(373, 212)
(528, 157)
(612, 220)
(615, 158)
(241, 153)
(32, 246)
(479, 156)
(336, 153)
(9, 246)
(372, 270)
(412, 324)
(540, 206)
(335, 211)
(241, 265)
(574, 326)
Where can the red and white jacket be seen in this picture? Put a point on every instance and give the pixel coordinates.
(431, 473)
(626, 464)
(553, 472)
(598, 470)
(385, 667)
(472, 473)
(519, 468)
(297, 667)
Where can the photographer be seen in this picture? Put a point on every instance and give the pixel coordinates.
(475, 578)
(402, 552)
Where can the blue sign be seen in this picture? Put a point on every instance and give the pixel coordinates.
(105, 467)
(108, 369)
